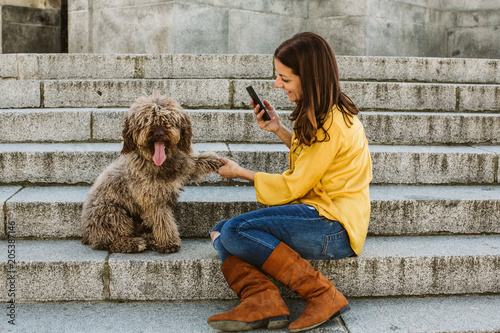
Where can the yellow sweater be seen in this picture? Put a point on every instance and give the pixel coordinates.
(332, 176)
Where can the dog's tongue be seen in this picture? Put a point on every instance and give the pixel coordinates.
(159, 156)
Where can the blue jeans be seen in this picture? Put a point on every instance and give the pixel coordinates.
(254, 235)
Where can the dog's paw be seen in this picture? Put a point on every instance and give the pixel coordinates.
(128, 245)
(216, 164)
(209, 162)
(170, 248)
(150, 240)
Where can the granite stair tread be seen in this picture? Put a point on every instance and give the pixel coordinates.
(54, 211)
(81, 163)
(66, 270)
(212, 125)
(454, 314)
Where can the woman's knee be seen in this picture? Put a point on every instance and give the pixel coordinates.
(218, 226)
(231, 228)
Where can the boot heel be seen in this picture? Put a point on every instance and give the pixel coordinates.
(342, 311)
(278, 322)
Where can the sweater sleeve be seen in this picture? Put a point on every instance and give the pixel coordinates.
(305, 172)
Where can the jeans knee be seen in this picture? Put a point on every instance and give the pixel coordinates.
(229, 232)
(232, 226)
(218, 226)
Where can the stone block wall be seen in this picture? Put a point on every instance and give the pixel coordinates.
(397, 28)
(52, 4)
(190, 26)
(342, 24)
(29, 30)
(428, 28)
(475, 34)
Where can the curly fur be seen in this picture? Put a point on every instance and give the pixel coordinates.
(130, 206)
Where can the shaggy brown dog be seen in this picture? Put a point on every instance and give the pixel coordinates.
(130, 206)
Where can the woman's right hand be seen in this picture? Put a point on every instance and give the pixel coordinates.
(272, 125)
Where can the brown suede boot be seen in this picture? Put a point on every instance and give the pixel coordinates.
(261, 304)
(324, 301)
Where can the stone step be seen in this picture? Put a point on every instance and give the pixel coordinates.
(91, 124)
(424, 240)
(81, 163)
(54, 212)
(209, 66)
(371, 315)
(231, 93)
(65, 270)
(69, 163)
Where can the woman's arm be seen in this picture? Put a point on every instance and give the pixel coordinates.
(231, 169)
(308, 164)
(285, 135)
(274, 125)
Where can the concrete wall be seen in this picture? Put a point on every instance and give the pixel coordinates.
(475, 34)
(402, 29)
(29, 30)
(53, 4)
(344, 27)
(192, 26)
(429, 28)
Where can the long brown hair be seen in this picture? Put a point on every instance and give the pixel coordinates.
(311, 58)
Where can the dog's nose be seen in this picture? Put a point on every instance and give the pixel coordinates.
(158, 133)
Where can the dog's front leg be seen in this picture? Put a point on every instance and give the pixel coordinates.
(206, 163)
(165, 232)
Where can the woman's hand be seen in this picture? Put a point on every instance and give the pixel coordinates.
(231, 169)
(272, 125)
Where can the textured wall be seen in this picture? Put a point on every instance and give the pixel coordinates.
(29, 30)
(426, 28)
(162, 26)
(54, 4)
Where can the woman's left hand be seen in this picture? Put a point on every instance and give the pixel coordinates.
(231, 169)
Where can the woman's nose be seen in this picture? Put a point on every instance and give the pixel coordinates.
(277, 83)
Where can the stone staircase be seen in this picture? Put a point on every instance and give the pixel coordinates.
(432, 259)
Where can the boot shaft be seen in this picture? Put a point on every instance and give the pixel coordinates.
(296, 273)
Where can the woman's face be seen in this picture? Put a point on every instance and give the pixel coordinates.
(288, 81)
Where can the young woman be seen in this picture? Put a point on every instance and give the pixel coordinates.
(320, 207)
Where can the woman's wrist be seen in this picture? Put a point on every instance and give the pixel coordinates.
(284, 134)
(246, 174)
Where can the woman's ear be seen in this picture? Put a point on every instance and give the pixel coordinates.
(128, 142)
(186, 134)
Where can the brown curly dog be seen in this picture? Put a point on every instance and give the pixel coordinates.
(130, 206)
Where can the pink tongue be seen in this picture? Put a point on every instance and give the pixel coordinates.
(159, 156)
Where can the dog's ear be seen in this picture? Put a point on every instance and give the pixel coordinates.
(186, 134)
(128, 142)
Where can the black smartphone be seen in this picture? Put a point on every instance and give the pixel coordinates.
(256, 101)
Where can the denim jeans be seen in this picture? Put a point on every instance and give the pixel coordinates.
(254, 235)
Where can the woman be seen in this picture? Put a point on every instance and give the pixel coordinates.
(320, 206)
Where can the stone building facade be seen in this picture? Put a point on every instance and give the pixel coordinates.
(32, 26)
(423, 28)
